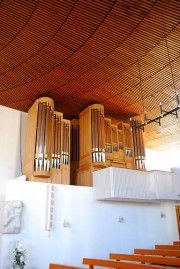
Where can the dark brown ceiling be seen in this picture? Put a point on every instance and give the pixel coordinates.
(123, 54)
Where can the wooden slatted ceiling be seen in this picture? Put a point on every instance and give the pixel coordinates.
(81, 52)
(19, 12)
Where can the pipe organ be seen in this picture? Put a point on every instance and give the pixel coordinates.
(64, 152)
(92, 143)
(57, 120)
(97, 135)
(108, 136)
(138, 141)
(43, 137)
(47, 149)
(128, 146)
(102, 144)
(119, 153)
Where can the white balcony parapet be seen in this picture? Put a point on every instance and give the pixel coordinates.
(120, 184)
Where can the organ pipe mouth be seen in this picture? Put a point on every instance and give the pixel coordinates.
(159, 133)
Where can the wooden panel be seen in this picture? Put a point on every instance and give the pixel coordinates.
(146, 259)
(170, 247)
(108, 139)
(171, 253)
(115, 264)
(74, 148)
(85, 136)
(31, 138)
(176, 243)
(115, 142)
(85, 52)
(61, 266)
(91, 145)
(178, 218)
(128, 146)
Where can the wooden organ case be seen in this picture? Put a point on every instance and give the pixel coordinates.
(74, 165)
(47, 152)
(128, 146)
(101, 144)
(92, 143)
(119, 149)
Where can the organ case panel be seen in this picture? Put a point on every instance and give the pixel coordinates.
(92, 143)
(108, 141)
(65, 167)
(118, 152)
(74, 146)
(60, 162)
(128, 146)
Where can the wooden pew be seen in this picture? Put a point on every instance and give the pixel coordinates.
(169, 247)
(161, 252)
(176, 243)
(118, 265)
(146, 259)
(61, 266)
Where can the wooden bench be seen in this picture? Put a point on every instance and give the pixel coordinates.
(61, 266)
(115, 264)
(161, 252)
(176, 243)
(170, 247)
(146, 259)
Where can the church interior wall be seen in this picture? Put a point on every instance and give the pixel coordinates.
(94, 228)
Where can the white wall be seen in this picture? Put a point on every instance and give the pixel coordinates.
(94, 228)
(164, 160)
(12, 138)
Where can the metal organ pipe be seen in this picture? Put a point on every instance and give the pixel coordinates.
(43, 137)
(97, 136)
(139, 149)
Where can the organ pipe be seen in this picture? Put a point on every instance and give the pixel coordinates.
(138, 141)
(43, 137)
(97, 136)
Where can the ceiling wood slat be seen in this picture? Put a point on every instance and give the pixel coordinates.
(124, 54)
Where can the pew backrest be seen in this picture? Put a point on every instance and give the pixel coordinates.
(161, 252)
(61, 266)
(118, 265)
(170, 247)
(146, 259)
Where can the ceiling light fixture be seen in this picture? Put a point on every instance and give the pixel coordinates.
(142, 96)
(157, 120)
(163, 113)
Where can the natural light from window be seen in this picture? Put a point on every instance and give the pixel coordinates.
(162, 160)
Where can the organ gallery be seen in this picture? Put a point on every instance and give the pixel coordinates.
(68, 151)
